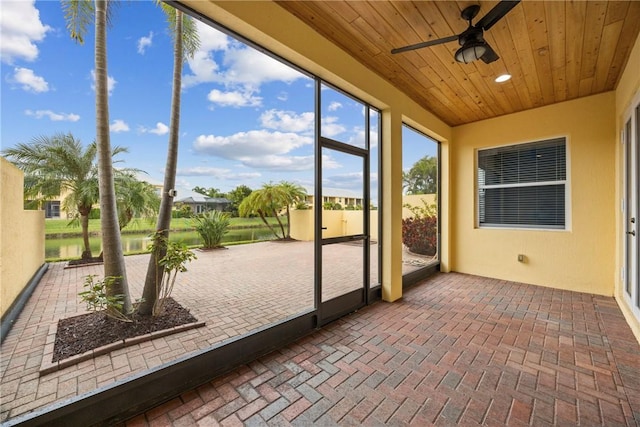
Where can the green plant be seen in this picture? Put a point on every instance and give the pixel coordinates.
(331, 206)
(182, 211)
(212, 226)
(97, 299)
(420, 232)
(173, 262)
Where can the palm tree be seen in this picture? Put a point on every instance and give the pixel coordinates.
(136, 199)
(422, 178)
(185, 44)
(78, 15)
(270, 200)
(57, 165)
(259, 203)
(293, 194)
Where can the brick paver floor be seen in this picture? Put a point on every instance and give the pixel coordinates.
(235, 291)
(457, 349)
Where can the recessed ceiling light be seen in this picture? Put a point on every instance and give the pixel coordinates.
(503, 78)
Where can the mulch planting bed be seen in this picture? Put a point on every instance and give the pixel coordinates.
(76, 335)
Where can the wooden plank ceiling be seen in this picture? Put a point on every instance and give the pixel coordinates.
(554, 50)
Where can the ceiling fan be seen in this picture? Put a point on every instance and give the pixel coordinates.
(472, 41)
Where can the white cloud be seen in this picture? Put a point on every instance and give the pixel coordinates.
(281, 163)
(234, 99)
(111, 82)
(54, 117)
(218, 173)
(258, 149)
(144, 43)
(211, 38)
(119, 126)
(334, 106)
(330, 128)
(288, 121)
(249, 67)
(357, 139)
(202, 171)
(203, 67)
(29, 81)
(20, 29)
(237, 65)
(329, 162)
(160, 129)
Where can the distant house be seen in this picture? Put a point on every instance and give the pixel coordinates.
(200, 203)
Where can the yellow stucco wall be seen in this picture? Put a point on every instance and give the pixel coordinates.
(337, 223)
(627, 92)
(580, 258)
(21, 236)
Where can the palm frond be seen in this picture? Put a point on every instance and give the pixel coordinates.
(190, 37)
(79, 15)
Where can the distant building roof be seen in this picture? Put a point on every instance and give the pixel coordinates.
(200, 198)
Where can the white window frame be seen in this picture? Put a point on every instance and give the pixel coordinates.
(565, 183)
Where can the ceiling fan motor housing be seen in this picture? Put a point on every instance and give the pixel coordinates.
(470, 35)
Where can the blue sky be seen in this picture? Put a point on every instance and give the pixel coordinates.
(246, 118)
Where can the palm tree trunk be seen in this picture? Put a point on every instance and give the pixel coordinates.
(84, 223)
(288, 222)
(279, 222)
(114, 265)
(155, 272)
(264, 219)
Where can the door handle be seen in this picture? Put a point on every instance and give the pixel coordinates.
(632, 232)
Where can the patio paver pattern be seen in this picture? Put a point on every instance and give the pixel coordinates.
(234, 290)
(456, 348)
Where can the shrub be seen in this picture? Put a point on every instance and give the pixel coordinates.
(182, 211)
(420, 233)
(97, 299)
(95, 213)
(174, 261)
(212, 226)
(331, 206)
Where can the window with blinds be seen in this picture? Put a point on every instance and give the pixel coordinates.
(523, 185)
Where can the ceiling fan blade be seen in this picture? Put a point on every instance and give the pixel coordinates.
(489, 55)
(424, 44)
(495, 14)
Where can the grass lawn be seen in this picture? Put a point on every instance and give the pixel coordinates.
(61, 226)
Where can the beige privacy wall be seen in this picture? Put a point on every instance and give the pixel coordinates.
(21, 236)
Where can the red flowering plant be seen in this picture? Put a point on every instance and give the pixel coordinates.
(420, 232)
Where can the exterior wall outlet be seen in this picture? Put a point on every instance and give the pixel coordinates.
(521, 258)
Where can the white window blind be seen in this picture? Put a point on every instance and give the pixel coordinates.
(523, 185)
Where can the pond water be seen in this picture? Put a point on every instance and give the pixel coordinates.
(72, 247)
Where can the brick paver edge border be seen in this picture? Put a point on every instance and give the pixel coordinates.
(47, 367)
